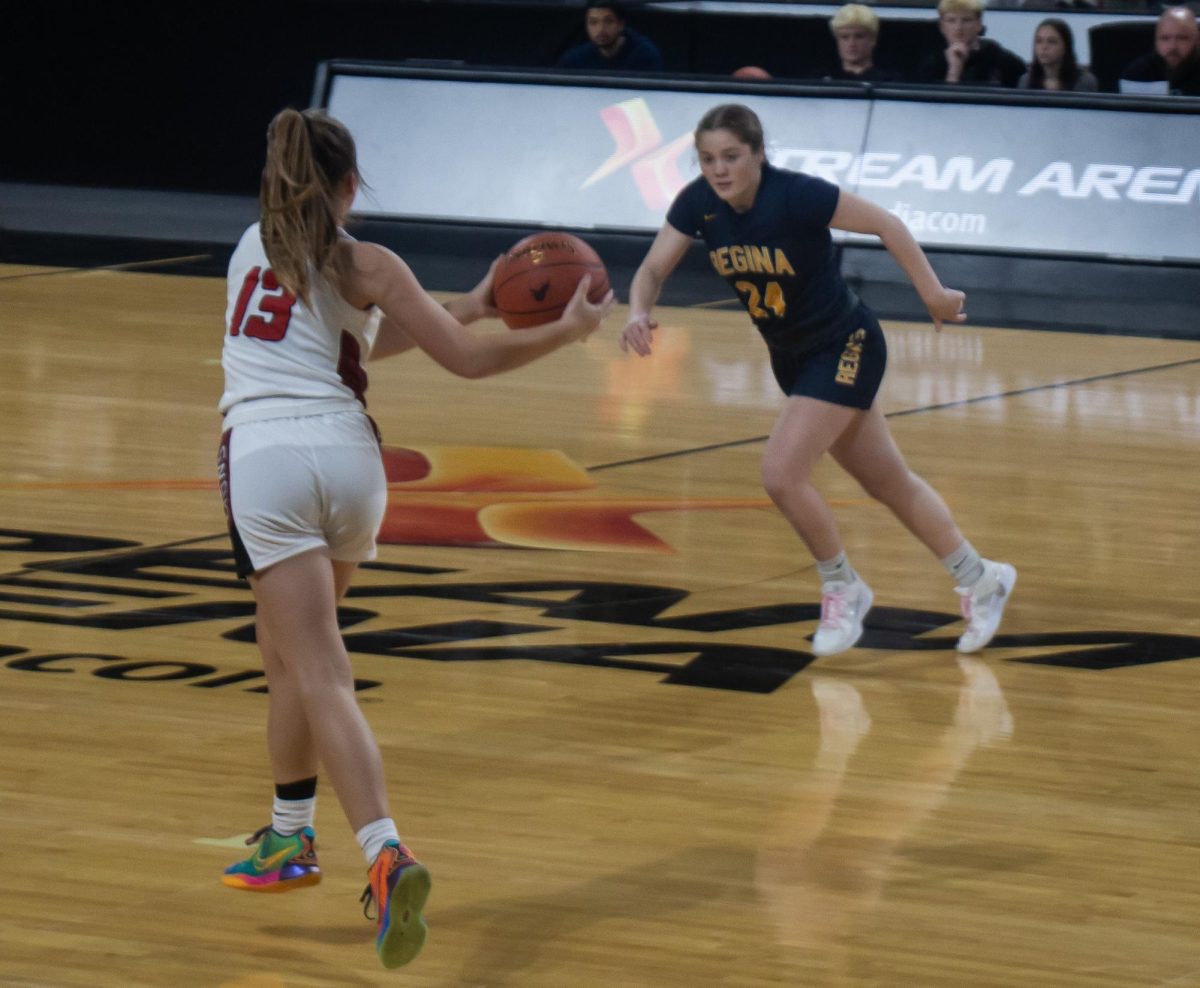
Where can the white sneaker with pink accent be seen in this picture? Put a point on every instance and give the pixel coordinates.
(983, 604)
(843, 608)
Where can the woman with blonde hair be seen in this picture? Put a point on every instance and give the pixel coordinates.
(304, 488)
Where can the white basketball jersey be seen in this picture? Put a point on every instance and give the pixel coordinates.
(281, 357)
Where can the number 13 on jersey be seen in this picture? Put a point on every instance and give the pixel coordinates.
(274, 311)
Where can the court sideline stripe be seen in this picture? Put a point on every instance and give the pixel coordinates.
(912, 411)
(126, 266)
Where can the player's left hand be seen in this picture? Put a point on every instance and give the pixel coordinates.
(946, 306)
(482, 300)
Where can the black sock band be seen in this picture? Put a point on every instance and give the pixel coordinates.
(304, 789)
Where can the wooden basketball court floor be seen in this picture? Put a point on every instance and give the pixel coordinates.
(602, 726)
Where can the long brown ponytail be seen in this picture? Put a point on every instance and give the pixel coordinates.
(308, 156)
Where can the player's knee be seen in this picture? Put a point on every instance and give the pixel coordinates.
(319, 694)
(779, 476)
(317, 670)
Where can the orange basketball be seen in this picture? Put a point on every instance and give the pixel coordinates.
(536, 278)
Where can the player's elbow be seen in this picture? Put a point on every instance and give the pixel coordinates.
(891, 229)
(475, 372)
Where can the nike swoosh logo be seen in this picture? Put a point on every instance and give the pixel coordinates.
(278, 858)
(540, 293)
(709, 216)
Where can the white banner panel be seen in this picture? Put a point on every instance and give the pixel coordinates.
(1040, 179)
(1043, 179)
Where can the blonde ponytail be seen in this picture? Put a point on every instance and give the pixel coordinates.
(308, 156)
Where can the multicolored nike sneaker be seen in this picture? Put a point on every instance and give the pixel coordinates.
(399, 886)
(280, 863)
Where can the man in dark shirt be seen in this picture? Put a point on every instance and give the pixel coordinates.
(969, 59)
(1173, 68)
(610, 44)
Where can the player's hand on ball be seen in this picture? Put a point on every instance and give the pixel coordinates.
(638, 335)
(482, 299)
(586, 315)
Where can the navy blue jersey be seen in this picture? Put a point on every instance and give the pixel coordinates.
(778, 255)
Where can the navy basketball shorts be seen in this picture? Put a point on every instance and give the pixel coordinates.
(295, 484)
(847, 371)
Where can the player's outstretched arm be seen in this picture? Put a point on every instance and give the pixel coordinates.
(478, 303)
(856, 215)
(380, 277)
(390, 340)
(663, 257)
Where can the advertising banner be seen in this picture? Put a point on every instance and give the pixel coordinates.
(1019, 178)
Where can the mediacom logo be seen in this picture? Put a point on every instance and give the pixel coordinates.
(653, 166)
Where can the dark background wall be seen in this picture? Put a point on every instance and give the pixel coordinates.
(172, 94)
(167, 94)
(154, 94)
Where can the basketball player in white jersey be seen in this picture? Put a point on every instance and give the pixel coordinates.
(304, 487)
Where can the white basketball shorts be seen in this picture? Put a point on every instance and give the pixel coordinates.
(295, 484)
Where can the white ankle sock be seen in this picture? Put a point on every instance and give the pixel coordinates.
(291, 815)
(965, 565)
(374, 835)
(837, 570)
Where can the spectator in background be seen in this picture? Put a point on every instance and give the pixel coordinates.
(969, 59)
(856, 29)
(611, 44)
(1173, 68)
(1054, 65)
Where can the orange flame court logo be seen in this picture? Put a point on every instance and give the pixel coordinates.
(477, 496)
(466, 496)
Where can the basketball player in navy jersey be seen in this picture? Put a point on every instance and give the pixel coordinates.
(767, 230)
